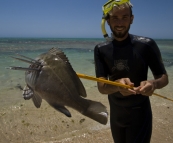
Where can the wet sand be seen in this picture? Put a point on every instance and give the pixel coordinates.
(21, 122)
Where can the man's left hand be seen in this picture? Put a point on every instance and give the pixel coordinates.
(146, 88)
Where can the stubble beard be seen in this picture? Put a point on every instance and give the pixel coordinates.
(120, 34)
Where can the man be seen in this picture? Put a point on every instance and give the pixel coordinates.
(126, 59)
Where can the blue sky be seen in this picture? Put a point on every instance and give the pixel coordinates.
(80, 18)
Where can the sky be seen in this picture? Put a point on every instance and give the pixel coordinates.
(80, 18)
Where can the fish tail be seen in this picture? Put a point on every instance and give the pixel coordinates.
(97, 111)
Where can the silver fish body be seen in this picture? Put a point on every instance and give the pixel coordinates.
(55, 81)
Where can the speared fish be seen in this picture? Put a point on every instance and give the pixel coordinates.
(51, 77)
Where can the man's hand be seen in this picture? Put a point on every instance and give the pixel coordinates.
(125, 91)
(146, 88)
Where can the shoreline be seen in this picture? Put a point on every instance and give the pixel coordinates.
(22, 122)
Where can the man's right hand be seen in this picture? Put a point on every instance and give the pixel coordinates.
(126, 91)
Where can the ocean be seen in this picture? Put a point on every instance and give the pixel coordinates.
(80, 54)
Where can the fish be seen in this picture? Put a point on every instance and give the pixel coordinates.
(51, 77)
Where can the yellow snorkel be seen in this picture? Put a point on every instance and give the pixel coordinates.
(105, 35)
(107, 7)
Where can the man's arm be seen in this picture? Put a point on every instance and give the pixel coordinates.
(161, 81)
(157, 67)
(147, 87)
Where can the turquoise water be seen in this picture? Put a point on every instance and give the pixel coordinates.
(79, 52)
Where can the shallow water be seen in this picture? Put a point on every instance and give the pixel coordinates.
(78, 51)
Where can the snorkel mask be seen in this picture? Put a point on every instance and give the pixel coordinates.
(107, 7)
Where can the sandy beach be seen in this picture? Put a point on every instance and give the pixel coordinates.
(23, 123)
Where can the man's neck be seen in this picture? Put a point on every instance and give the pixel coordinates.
(121, 39)
(123, 42)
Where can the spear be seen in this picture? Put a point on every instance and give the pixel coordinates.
(114, 83)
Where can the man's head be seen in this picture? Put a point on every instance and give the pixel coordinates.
(119, 19)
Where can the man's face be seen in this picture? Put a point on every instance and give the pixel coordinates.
(120, 21)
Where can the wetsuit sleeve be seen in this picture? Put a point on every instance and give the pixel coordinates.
(100, 66)
(155, 60)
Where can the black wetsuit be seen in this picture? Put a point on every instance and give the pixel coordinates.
(130, 116)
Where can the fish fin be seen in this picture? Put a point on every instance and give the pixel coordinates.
(27, 61)
(59, 53)
(97, 111)
(27, 93)
(28, 58)
(61, 109)
(22, 68)
(37, 100)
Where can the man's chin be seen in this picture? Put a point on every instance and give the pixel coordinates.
(119, 35)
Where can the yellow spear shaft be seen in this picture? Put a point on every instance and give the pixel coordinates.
(113, 83)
